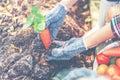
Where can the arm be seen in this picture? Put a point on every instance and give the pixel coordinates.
(68, 3)
(57, 15)
(109, 31)
(74, 46)
(104, 33)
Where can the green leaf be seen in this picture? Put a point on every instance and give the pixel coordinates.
(39, 23)
(36, 19)
(40, 15)
(39, 18)
(35, 27)
(112, 60)
(39, 27)
(34, 10)
(29, 21)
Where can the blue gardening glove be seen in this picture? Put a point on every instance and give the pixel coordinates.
(58, 43)
(74, 74)
(66, 50)
(78, 74)
(55, 18)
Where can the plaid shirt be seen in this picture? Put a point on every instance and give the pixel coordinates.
(113, 0)
(115, 25)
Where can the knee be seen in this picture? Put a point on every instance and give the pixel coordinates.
(113, 11)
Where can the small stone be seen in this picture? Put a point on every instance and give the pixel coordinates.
(24, 8)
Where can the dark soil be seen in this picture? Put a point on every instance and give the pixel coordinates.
(21, 51)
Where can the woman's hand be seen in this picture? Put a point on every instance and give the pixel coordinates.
(66, 50)
(55, 18)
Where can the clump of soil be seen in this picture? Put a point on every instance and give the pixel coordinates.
(21, 51)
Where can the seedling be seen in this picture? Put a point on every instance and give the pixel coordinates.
(35, 20)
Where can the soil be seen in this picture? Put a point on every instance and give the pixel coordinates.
(21, 51)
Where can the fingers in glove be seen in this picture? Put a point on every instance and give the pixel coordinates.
(72, 40)
(67, 52)
(54, 28)
(56, 14)
(56, 54)
(59, 43)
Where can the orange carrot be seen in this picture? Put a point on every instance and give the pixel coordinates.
(112, 52)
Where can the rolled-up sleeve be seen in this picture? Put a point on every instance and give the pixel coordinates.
(115, 25)
(113, 0)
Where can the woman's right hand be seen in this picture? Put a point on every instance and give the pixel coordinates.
(55, 18)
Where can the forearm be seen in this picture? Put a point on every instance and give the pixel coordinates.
(99, 36)
(68, 3)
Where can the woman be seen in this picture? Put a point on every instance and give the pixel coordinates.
(70, 48)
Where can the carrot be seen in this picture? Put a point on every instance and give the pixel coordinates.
(112, 52)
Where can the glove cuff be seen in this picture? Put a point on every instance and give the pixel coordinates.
(84, 43)
(63, 6)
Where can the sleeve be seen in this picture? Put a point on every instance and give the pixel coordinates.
(113, 0)
(115, 25)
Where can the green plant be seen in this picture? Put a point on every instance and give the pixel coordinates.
(35, 20)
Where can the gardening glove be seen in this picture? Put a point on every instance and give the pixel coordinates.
(58, 43)
(55, 18)
(66, 50)
(78, 74)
